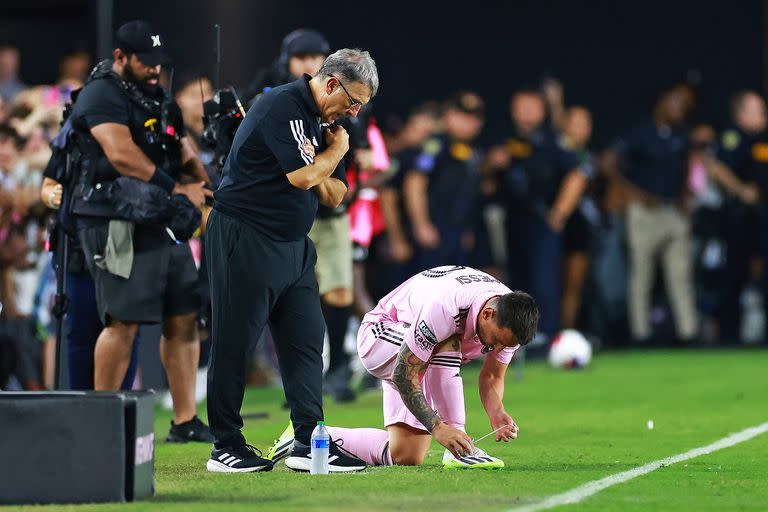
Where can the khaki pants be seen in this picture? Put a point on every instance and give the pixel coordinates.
(334, 253)
(659, 232)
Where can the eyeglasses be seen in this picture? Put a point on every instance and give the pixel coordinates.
(353, 103)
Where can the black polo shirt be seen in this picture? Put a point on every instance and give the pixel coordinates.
(280, 134)
(734, 149)
(656, 159)
(103, 101)
(746, 155)
(452, 168)
(538, 167)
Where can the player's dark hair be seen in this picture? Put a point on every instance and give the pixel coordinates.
(518, 311)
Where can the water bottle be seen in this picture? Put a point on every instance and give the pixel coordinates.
(319, 445)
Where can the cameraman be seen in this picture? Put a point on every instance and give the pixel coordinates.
(302, 51)
(125, 124)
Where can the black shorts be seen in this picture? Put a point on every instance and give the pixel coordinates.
(163, 280)
(577, 234)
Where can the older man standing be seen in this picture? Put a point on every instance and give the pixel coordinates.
(286, 157)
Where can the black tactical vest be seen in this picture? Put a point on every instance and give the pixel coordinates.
(155, 126)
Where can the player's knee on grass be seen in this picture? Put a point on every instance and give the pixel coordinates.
(404, 457)
(408, 446)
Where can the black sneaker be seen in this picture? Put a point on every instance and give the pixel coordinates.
(339, 459)
(192, 430)
(237, 459)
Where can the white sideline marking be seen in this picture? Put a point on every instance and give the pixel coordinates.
(584, 491)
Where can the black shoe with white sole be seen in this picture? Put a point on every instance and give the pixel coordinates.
(237, 459)
(339, 459)
(193, 430)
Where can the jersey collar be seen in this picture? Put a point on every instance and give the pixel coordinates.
(306, 94)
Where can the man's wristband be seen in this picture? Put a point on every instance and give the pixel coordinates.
(162, 180)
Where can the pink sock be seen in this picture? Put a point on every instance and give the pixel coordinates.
(446, 388)
(369, 444)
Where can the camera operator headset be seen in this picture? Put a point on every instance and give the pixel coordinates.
(301, 51)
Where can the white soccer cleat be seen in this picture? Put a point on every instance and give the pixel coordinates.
(478, 460)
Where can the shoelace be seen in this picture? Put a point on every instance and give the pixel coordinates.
(253, 449)
(340, 446)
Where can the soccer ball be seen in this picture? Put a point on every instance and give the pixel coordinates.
(570, 350)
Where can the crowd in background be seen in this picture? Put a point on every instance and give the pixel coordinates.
(658, 237)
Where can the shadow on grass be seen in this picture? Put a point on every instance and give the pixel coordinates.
(202, 497)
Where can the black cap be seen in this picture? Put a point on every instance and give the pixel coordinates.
(305, 41)
(138, 37)
(467, 102)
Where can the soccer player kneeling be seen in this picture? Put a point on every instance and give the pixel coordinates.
(415, 340)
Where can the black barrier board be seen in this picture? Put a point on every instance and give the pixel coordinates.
(71, 447)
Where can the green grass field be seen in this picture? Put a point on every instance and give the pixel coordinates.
(575, 427)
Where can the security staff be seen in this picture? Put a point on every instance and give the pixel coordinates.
(540, 184)
(395, 246)
(260, 260)
(124, 124)
(441, 189)
(736, 149)
(655, 156)
(759, 171)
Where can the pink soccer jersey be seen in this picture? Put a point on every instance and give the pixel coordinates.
(426, 309)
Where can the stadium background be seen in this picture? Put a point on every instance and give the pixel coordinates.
(612, 57)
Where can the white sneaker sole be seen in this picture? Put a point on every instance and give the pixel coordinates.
(297, 463)
(302, 464)
(494, 463)
(215, 466)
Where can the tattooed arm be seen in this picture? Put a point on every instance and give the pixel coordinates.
(405, 376)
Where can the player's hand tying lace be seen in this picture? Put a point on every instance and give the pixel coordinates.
(456, 441)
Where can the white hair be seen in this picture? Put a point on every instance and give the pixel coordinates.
(353, 65)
